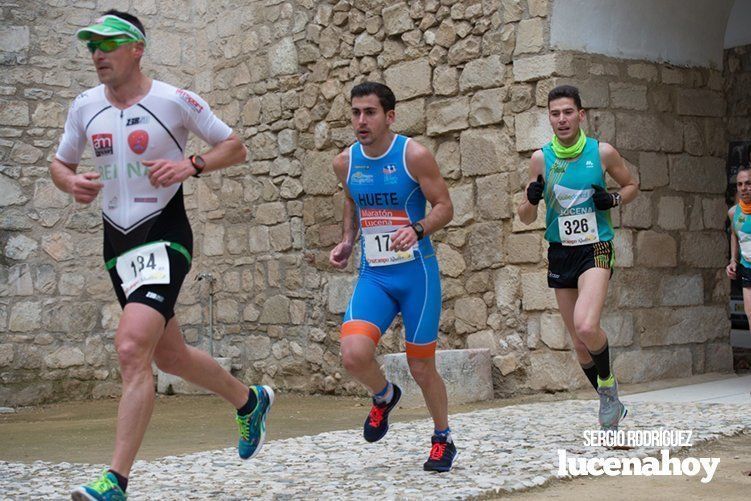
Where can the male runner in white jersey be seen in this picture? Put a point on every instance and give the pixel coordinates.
(138, 128)
(569, 173)
(387, 179)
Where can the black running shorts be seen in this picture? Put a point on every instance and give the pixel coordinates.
(161, 297)
(744, 274)
(566, 264)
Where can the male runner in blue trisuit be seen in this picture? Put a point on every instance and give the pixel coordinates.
(387, 179)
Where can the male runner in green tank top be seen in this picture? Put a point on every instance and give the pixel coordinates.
(740, 237)
(569, 173)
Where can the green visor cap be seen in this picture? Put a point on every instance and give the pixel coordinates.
(109, 26)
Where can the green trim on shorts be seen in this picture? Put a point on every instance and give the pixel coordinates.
(604, 254)
(172, 245)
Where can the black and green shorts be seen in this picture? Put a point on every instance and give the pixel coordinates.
(744, 274)
(161, 297)
(566, 264)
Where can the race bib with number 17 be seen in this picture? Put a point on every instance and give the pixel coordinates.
(377, 251)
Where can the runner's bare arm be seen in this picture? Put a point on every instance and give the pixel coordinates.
(423, 168)
(229, 152)
(349, 225)
(732, 268)
(84, 187)
(339, 255)
(616, 167)
(527, 211)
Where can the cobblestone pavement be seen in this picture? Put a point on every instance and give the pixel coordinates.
(500, 450)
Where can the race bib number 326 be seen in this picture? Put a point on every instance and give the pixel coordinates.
(578, 229)
(148, 264)
(377, 251)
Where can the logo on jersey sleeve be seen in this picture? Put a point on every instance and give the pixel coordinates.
(185, 96)
(102, 144)
(138, 140)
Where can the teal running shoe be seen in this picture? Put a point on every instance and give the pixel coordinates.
(104, 489)
(612, 411)
(253, 426)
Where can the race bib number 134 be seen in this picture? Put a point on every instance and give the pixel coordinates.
(148, 264)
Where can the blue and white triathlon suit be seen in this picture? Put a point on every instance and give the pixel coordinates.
(387, 198)
(147, 237)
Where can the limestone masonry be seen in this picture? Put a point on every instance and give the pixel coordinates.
(471, 78)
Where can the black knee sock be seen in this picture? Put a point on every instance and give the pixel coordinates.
(601, 358)
(249, 405)
(121, 481)
(591, 372)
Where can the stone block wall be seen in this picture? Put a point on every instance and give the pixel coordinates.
(57, 314)
(667, 306)
(737, 85)
(471, 78)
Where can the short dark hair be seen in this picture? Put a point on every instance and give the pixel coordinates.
(565, 91)
(127, 17)
(383, 92)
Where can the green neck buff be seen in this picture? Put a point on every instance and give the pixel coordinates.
(569, 151)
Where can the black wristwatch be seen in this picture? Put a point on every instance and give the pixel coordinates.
(198, 164)
(419, 230)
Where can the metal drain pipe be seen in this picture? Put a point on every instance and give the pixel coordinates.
(210, 279)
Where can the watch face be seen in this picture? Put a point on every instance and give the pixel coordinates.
(198, 161)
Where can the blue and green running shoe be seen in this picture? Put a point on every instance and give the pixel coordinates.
(253, 426)
(104, 489)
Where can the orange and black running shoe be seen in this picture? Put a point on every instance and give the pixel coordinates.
(377, 423)
(442, 454)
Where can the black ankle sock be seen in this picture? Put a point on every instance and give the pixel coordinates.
(591, 372)
(601, 358)
(121, 481)
(249, 405)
